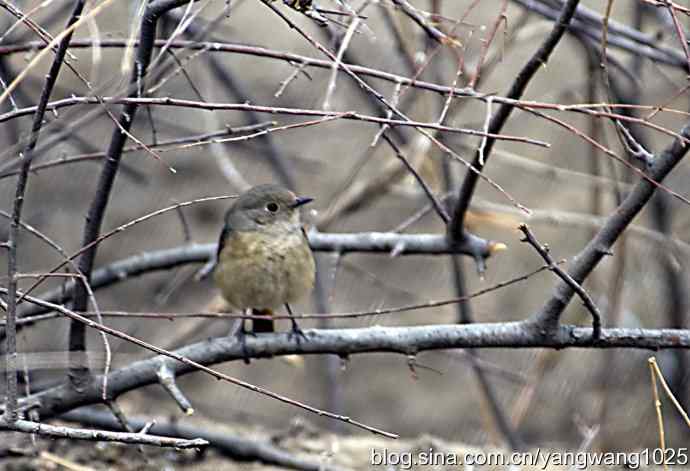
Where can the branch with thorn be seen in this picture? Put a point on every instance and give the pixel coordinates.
(633, 147)
(166, 377)
(543, 251)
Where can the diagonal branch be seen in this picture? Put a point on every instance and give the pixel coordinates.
(587, 260)
(543, 251)
(193, 364)
(539, 59)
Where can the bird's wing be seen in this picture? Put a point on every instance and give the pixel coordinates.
(207, 269)
(227, 229)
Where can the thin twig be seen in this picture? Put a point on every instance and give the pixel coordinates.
(540, 57)
(160, 147)
(428, 28)
(191, 363)
(635, 149)
(54, 431)
(659, 375)
(657, 408)
(341, 315)
(543, 251)
(22, 182)
(440, 210)
(213, 106)
(330, 89)
(57, 39)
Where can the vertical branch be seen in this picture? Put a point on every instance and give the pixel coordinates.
(465, 316)
(79, 374)
(330, 364)
(674, 281)
(518, 87)
(464, 307)
(10, 127)
(22, 182)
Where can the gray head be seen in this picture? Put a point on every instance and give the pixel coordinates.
(266, 208)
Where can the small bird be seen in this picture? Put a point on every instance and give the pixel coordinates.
(264, 260)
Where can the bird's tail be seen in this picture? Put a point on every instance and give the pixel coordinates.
(262, 325)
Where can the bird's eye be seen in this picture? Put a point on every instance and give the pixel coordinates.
(272, 207)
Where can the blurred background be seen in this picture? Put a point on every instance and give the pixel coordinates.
(552, 398)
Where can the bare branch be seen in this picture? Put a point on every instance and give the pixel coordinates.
(540, 57)
(166, 377)
(213, 106)
(74, 317)
(22, 182)
(234, 447)
(543, 251)
(587, 260)
(343, 342)
(55, 431)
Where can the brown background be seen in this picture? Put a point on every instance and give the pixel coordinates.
(379, 389)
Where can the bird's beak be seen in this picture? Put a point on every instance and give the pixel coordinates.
(301, 200)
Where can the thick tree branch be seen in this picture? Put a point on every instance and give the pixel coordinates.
(107, 395)
(77, 334)
(343, 342)
(619, 220)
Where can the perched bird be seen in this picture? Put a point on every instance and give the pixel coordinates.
(264, 260)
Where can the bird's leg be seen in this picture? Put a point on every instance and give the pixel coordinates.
(296, 331)
(239, 331)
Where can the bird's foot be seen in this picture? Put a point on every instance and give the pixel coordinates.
(297, 333)
(240, 333)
